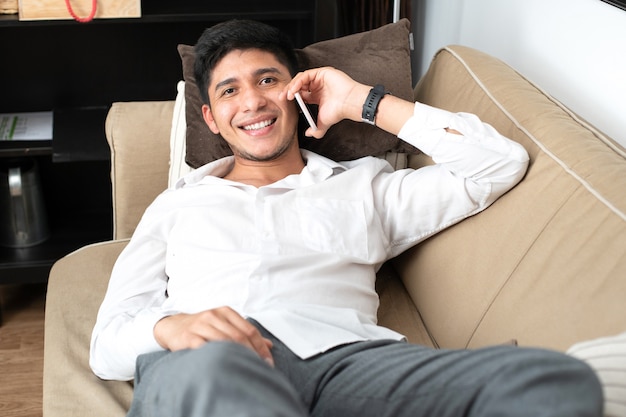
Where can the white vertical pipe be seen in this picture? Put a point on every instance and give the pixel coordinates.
(396, 10)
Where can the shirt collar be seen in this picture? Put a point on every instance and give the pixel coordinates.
(320, 167)
(317, 169)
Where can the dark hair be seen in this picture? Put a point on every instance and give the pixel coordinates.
(219, 40)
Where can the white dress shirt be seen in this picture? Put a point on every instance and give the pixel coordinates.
(299, 256)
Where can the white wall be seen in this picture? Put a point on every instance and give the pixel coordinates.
(573, 49)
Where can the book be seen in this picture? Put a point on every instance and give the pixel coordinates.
(26, 126)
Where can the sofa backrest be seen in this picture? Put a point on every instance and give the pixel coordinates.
(139, 138)
(546, 264)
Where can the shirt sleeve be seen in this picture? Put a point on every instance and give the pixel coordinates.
(132, 304)
(471, 171)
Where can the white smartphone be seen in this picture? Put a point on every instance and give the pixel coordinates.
(306, 111)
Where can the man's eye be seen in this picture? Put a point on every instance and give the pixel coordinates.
(228, 91)
(267, 80)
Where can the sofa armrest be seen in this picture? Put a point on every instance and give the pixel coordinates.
(139, 137)
(77, 285)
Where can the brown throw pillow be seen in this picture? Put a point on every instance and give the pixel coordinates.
(379, 56)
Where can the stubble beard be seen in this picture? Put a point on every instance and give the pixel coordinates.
(242, 154)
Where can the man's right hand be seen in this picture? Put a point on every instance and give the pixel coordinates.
(190, 331)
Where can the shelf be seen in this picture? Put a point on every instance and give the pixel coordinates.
(77, 198)
(32, 264)
(13, 20)
(78, 135)
(23, 148)
(179, 11)
(108, 60)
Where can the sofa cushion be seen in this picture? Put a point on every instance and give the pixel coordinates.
(379, 56)
(545, 264)
(178, 134)
(138, 134)
(76, 288)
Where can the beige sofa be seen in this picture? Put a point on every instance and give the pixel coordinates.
(545, 265)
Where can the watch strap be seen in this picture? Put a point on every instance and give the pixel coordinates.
(371, 104)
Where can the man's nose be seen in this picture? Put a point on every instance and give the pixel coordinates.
(253, 100)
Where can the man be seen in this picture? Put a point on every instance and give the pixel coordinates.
(248, 288)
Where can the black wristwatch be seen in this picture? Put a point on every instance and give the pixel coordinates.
(371, 103)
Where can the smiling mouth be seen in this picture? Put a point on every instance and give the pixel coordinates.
(259, 125)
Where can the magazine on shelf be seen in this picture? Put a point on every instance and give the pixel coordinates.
(26, 126)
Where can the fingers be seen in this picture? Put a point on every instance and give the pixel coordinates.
(230, 326)
(190, 331)
(317, 133)
(315, 88)
(337, 95)
(306, 82)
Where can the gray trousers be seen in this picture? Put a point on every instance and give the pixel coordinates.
(377, 378)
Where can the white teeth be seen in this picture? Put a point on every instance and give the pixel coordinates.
(259, 125)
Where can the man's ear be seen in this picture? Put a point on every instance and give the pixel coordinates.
(207, 115)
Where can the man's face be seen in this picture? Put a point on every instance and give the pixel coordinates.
(245, 108)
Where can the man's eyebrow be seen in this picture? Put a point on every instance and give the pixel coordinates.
(257, 73)
(268, 70)
(224, 82)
